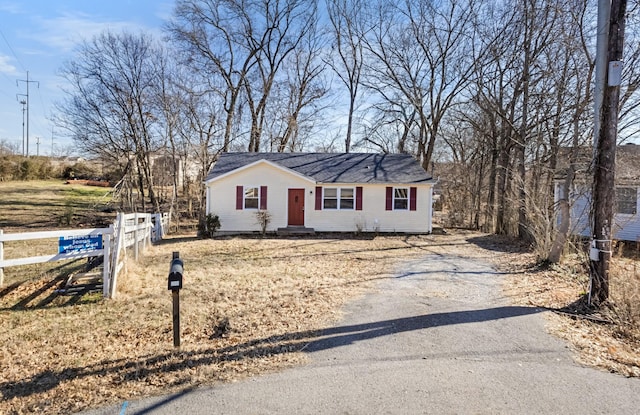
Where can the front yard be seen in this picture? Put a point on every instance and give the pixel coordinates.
(245, 308)
(248, 306)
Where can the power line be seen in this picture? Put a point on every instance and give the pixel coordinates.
(12, 51)
(8, 79)
(46, 113)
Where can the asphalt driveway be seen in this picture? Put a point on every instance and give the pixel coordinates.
(436, 339)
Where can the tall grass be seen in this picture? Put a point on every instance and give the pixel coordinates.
(625, 295)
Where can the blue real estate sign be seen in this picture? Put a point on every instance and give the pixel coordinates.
(76, 244)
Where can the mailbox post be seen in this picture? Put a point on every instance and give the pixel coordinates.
(175, 284)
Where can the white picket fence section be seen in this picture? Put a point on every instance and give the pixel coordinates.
(133, 230)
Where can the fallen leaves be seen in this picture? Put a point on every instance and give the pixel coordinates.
(613, 346)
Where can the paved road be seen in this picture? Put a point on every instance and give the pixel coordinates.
(437, 339)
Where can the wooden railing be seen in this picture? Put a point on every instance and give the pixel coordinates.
(134, 230)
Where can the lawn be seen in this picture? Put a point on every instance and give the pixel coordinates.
(26, 205)
(247, 307)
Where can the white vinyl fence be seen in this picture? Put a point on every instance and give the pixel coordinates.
(133, 230)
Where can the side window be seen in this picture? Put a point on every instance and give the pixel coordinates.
(627, 200)
(400, 198)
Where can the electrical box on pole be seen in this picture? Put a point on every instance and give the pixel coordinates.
(615, 73)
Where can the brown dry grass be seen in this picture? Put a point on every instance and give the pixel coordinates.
(248, 306)
(612, 345)
(625, 296)
(43, 204)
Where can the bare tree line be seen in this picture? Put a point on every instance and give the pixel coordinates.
(491, 91)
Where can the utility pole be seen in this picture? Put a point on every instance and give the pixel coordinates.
(37, 146)
(605, 160)
(27, 81)
(23, 102)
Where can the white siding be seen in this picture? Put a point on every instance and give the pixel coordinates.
(625, 228)
(373, 217)
(222, 197)
(580, 208)
(221, 200)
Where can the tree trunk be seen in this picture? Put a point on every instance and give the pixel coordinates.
(564, 210)
(523, 225)
(347, 141)
(502, 179)
(490, 219)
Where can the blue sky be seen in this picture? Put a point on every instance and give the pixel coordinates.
(38, 36)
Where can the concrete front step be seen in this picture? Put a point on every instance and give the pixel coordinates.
(295, 230)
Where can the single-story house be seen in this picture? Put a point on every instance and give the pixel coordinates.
(626, 226)
(323, 192)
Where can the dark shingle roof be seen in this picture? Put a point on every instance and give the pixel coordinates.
(627, 162)
(333, 168)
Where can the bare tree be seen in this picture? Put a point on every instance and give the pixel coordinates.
(276, 29)
(299, 97)
(629, 114)
(203, 138)
(8, 147)
(211, 34)
(571, 82)
(410, 50)
(173, 95)
(537, 21)
(512, 96)
(390, 126)
(346, 54)
(109, 109)
(239, 47)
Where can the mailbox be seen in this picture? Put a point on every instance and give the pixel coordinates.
(175, 274)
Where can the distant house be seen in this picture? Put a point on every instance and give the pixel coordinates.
(322, 192)
(626, 225)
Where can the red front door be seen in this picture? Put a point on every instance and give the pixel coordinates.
(296, 207)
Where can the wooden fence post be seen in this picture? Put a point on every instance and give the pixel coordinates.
(150, 226)
(157, 227)
(118, 241)
(135, 236)
(147, 231)
(108, 281)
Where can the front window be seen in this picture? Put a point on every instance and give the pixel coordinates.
(338, 198)
(626, 200)
(251, 197)
(330, 198)
(346, 199)
(401, 198)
